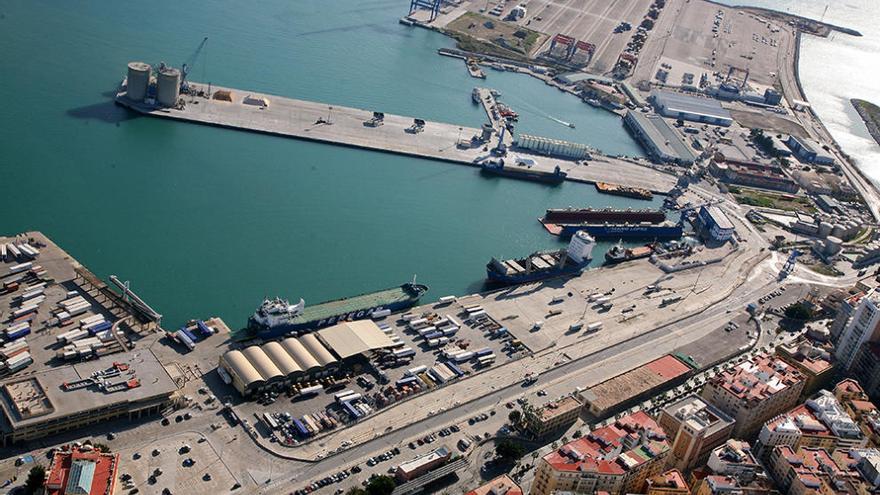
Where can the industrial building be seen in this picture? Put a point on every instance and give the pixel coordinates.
(658, 138)
(411, 470)
(618, 458)
(615, 393)
(296, 359)
(691, 108)
(752, 174)
(809, 151)
(754, 391)
(694, 428)
(82, 471)
(552, 417)
(63, 398)
(716, 223)
(553, 147)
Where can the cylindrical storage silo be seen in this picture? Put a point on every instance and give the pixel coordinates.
(138, 80)
(837, 230)
(832, 245)
(824, 229)
(168, 86)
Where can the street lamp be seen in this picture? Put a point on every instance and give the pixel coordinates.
(329, 114)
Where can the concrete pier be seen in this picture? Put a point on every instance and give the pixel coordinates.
(346, 126)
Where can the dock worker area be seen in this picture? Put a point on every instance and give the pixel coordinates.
(371, 129)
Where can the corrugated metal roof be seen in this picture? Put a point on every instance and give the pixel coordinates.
(241, 367)
(261, 362)
(281, 358)
(355, 337)
(300, 354)
(316, 349)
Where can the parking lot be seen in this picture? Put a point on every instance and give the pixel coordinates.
(425, 337)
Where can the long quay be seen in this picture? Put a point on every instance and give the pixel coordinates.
(346, 126)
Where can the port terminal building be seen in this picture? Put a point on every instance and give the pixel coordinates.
(58, 399)
(716, 223)
(295, 359)
(691, 108)
(658, 138)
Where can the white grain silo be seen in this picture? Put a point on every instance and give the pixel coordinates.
(824, 229)
(838, 230)
(832, 246)
(168, 86)
(138, 80)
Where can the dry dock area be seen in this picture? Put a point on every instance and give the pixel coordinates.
(346, 126)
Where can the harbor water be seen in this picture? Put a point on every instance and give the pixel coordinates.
(206, 221)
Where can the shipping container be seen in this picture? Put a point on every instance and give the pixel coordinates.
(186, 331)
(433, 335)
(483, 352)
(462, 357)
(403, 353)
(31, 293)
(405, 381)
(407, 316)
(447, 299)
(184, 339)
(478, 315)
(204, 328)
(17, 364)
(13, 250)
(73, 300)
(300, 428)
(13, 348)
(574, 327)
(270, 421)
(94, 324)
(103, 326)
(28, 251)
(415, 371)
(485, 360)
(20, 267)
(594, 327)
(68, 337)
(2, 251)
(24, 310)
(455, 369)
(18, 333)
(90, 319)
(352, 411)
(313, 390)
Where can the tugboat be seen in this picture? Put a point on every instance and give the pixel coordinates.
(618, 253)
(543, 264)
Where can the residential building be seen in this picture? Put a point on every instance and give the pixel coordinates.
(694, 429)
(754, 391)
(865, 368)
(411, 470)
(669, 483)
(617, 458)
(863, 326)
(552, 417)
(734, 458)
(501, 485)
(845, 311)
(860, 408)
(729, 485)
(819, 423)
(809, 471)
(813, 361)
(81, 471)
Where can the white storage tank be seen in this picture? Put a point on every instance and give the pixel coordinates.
(837, 231)
(138, 80)
(832, 245)
(824, 229)
(168, 86)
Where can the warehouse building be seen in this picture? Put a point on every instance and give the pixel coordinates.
(691, 108)
(716, 223)
(809, 151)
(658, 138)
(62, 398)
(751, 174)
(297, 359)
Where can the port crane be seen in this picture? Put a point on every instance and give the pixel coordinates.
(185, 68)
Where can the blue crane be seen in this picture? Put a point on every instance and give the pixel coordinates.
(184, 70)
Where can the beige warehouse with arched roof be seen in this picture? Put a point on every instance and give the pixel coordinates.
(261, 362)
(282, 359)
(244, 375)
(317, 349)
(300, 354)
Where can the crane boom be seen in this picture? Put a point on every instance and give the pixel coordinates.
(190, 62)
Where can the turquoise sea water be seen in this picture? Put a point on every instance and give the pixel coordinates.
(207, 221)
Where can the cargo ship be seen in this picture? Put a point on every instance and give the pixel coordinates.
(276, 317)
(612, 215)
(618, 253)
(626, 191)
(644, 230)
(517, 171)
(543, 264)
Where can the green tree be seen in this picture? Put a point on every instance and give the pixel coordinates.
(101, 447)
(356, 490)
(509, 451)
(515, 416)
(798, 311)
(36, 478)
(381, 485)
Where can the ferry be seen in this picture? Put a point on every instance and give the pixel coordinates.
(277, 317)
(543, 264)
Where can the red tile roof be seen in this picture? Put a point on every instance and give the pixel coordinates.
(591, 453)
(103, 481)
(501, 485)
(758, 378)
(668, 367)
